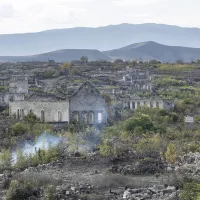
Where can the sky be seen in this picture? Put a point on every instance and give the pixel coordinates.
(21, 16)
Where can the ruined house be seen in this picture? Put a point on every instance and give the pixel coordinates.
(86, 105)
(134, 102)
(138, 80)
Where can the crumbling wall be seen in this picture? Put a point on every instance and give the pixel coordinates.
(45, 111)
(19, 86)
(151, 103)
(86, 102)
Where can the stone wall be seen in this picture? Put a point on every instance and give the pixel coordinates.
(19, 86)
(88, 105)
(45, 111)
(13, 97)
(133, 104)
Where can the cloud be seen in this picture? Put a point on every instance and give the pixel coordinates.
(134, 2)
(37, 15)
(7, 11)
(58, 14)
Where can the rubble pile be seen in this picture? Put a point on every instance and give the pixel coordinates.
(155, 192)
(140, 167)
(188, 164)
(66, 191)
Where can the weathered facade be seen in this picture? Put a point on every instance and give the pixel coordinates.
(47, 109)
(85, 105)
(19, 86)
(134, 102)
(138, 80)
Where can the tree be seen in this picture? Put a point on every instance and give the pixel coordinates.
(171, 153)
(133, 63)
(5, 159)
(84, 59)
(198, 61)
(21, 160)
(154, 62)
(66, 65)
(141, 122)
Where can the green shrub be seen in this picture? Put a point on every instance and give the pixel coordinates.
(191, 191)
(19, 128)
(142, 121)
(22, 190)
(171, 153)
(5, 159)
(40, 157)
(50, 193)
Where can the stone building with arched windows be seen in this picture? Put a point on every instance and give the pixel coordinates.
(134, 102)
(85, 105)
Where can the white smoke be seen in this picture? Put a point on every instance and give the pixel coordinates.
(43, 142)
(46, 141)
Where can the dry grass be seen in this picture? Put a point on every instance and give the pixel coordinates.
(116, 181)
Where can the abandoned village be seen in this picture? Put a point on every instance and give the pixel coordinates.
(86, 103)
(98, 129)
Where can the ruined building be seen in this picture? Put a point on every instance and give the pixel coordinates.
(138, 80)
(86, 105)
(134, 102)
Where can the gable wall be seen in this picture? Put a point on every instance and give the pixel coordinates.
(88, 100)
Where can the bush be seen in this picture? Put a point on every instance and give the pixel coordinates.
(40, 157)
(50, 193)
(24, 190)
(191, 191)
(142, 121)
(5, 159)
(31, 117)
(19, 128)
(171, 153)
(30, 185)
(149, 147)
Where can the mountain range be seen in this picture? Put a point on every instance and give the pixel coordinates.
(101, 38)
(140, 51)
(65, 55)
(151, 50)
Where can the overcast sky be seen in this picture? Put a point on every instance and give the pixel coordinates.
(17, 16)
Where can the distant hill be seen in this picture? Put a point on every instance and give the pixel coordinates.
(153, 50)
(102, 38)
(66, 55)
(140, 51)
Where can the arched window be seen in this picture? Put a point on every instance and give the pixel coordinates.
(91, 117)
(42, 116)
(18, 114)
(59, 116)
(22, 114)
(151, 104)
(157, 104)
(84, 117)
(129, 105)
(138, 104)
(133, 105)
(100, 118)
(76, 116)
